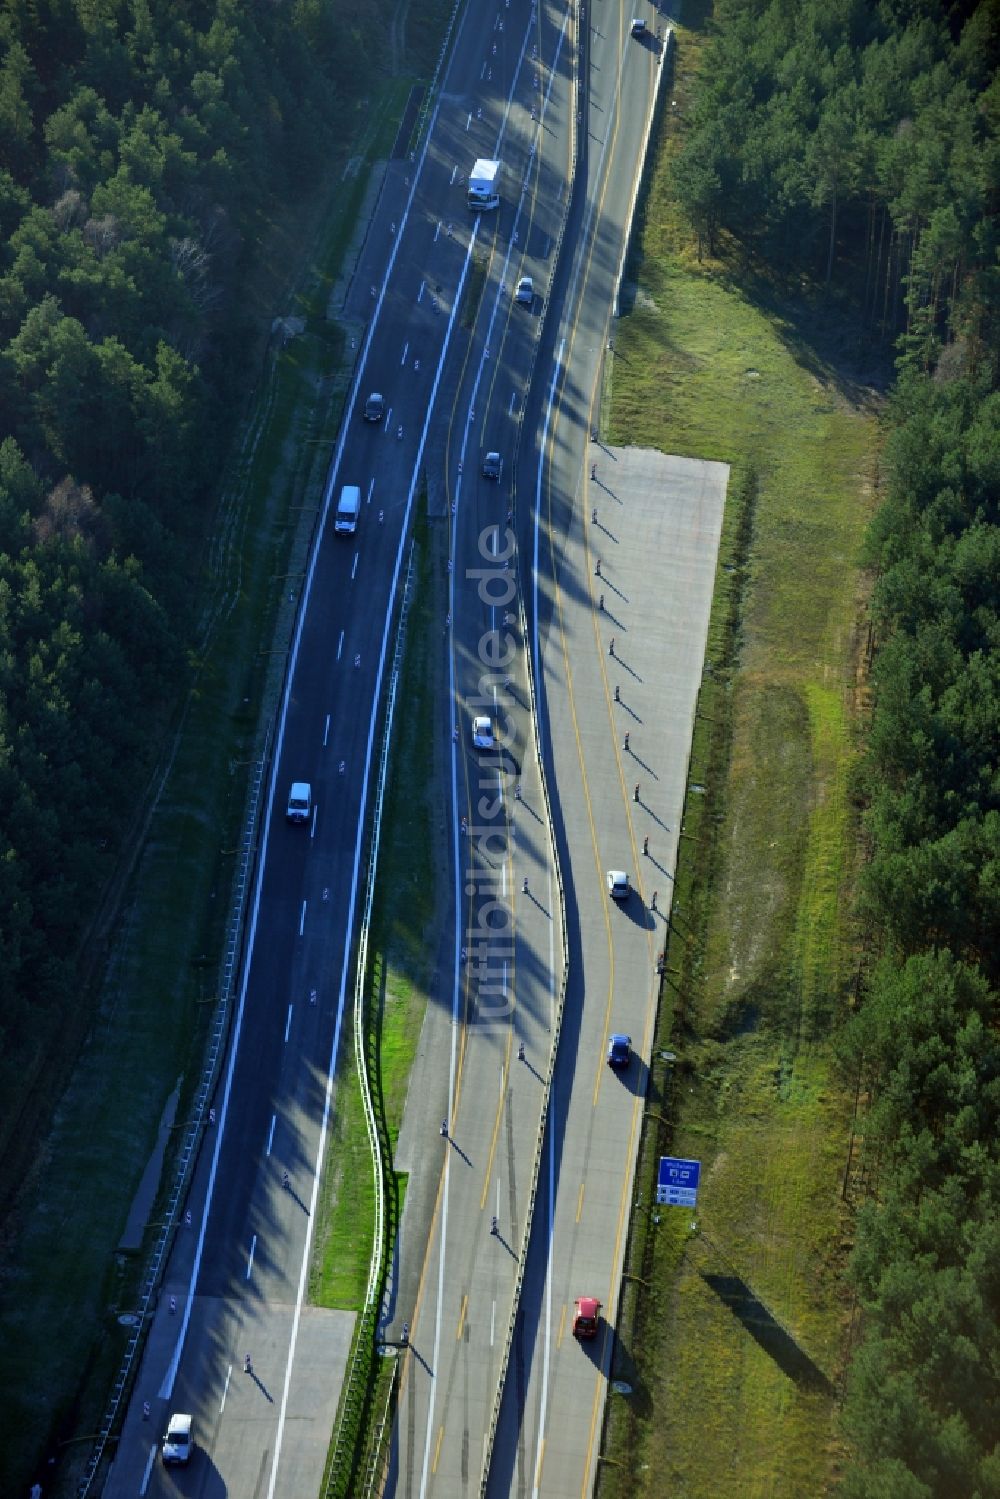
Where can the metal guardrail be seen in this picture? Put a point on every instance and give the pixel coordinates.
(233, 953)
(358, 1378)
(356, 1386)
(194, 1128)
(536, 1165)
(640, 176)
(376, 1471)
(576, 122)
(246, 873)
(420, 124)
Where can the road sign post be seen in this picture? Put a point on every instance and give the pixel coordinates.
(677, 1182)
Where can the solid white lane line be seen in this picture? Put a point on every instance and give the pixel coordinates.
(170, 1376)
(373, 722)
(547, 1343)
(148, 1471)
(569, 304)
(536, 540)
(483, 363)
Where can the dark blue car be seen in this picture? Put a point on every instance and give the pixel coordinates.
(619, 1051)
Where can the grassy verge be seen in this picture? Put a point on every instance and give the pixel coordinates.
(63, 1281)
(474, 288)
(402, 957)
(731, 1324)
(401, 953)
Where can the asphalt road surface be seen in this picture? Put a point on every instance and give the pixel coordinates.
(463, 1231)
(237, 1279)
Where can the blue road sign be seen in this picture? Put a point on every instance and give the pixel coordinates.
(677, 1182)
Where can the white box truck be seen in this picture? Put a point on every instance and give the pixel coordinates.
(484, 185)
(348, 510)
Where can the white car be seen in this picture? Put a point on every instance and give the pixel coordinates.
(482, 733)
(618, 884)
(525, 293)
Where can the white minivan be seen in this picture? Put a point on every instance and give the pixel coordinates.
(177, 1441)
(299, 802)
(348, 510)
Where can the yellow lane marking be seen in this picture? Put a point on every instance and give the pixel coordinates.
(599, 1386)
(496, 1123)
(541, 1459)
(425, 1266)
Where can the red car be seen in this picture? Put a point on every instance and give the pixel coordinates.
(586, 1317)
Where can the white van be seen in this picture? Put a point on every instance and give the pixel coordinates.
(177, 1441)
(299, 802)
(348, 510)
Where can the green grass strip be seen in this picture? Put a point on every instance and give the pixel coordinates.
(401, 953)
(760, 952)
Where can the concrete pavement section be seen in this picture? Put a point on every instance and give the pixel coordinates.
(656, 535)
(252, 1401)
(211, 1380)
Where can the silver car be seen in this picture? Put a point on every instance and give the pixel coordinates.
(482, 733)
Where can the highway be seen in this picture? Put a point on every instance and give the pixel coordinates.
(236, 1282)
(549, 1428)
(458, 1286)
(455, 388)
